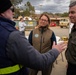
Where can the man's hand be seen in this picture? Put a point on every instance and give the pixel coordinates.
(60, 47)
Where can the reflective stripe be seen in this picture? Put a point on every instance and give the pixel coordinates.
(9, 70)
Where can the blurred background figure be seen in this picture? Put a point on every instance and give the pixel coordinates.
(22, 26)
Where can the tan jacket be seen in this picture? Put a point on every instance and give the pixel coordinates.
(42, 41)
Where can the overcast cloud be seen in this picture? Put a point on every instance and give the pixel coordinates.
(53, 6)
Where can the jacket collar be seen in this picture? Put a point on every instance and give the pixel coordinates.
(73, 28)
(2, 19)
(43, 29)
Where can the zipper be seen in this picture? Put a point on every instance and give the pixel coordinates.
(40, 42)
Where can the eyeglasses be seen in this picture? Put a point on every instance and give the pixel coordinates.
(12, 9)
(44, 20)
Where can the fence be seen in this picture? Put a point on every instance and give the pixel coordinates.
(30, 24)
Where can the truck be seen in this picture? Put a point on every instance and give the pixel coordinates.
(64, 23)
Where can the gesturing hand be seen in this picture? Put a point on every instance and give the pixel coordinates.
(60, 47)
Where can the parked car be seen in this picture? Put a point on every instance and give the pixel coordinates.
(52, 24)
(64, 23)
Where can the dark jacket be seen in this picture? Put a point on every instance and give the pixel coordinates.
(6, 28)
(42, 41)
(71, 48)
(19, 51)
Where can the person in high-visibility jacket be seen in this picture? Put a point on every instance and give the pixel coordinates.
(16, 53)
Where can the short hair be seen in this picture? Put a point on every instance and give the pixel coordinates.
(72, 4)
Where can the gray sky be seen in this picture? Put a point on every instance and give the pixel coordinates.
(53, 6)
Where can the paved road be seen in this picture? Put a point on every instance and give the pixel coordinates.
(60, 31)
(60, 67)
(57, 30)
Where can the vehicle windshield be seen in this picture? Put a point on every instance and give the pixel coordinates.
(63, 20)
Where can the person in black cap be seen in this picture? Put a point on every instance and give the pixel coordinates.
(4, 5)
(16, 53)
